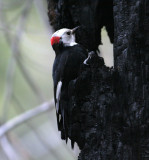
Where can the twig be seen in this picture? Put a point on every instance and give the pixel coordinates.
(42, 14)
(25, 117)
(36, 132)
(28, 78)
(8, 149)
(12, 63)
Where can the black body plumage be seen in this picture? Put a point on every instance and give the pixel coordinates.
(66, 67)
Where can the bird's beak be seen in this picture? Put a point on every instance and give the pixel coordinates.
(75, 29)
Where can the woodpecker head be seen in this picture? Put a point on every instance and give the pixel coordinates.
(64, 37)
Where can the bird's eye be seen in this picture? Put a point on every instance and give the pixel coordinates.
(68, 33)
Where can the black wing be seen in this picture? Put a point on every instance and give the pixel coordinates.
(66, 68)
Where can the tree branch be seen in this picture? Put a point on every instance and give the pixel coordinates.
(47, 106)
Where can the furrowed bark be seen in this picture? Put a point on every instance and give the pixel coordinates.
(131, 51)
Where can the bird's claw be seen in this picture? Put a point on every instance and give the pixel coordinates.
(90, 54)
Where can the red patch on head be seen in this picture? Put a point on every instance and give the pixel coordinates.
(55, 40)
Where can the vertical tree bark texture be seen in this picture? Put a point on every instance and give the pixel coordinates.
(131, 58)
(108, 114)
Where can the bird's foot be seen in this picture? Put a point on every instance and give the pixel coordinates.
(90, 55)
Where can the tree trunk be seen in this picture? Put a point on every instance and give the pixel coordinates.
(131, 58)
(109, 108)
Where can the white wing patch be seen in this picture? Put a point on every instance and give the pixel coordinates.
(58, 94)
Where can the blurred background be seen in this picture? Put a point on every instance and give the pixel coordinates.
(28, 129)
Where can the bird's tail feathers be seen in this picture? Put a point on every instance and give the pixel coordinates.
(61, 111)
